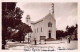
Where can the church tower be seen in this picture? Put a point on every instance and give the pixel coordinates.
(28, 19)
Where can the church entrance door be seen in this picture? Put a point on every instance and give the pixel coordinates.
(49, 34)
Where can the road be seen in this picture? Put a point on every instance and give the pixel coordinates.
(54, 44)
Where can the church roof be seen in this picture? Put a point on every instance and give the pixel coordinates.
(49, 14)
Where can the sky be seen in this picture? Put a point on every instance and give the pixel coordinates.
(64, 13)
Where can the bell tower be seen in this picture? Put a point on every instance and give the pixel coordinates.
(28, 18)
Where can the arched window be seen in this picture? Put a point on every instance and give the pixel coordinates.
(49, 24)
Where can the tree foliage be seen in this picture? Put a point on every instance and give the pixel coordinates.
(69, 32)
(11, 19)
(59, 33)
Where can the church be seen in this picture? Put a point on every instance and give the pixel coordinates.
(43, 29)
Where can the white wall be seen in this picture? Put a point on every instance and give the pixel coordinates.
(53, 28)
(45, 28)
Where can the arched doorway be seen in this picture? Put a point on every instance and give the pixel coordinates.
(49, 34)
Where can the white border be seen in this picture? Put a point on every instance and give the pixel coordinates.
(78, 1)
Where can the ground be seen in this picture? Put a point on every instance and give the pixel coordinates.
(58, 44)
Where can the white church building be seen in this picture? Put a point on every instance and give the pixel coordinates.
(44, 28)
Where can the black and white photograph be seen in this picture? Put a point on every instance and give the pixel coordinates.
(39, 26)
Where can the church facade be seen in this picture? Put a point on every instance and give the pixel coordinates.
(44, 29)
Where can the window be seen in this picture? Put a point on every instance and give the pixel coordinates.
(37, 29)
(41, 29)
(49, 24)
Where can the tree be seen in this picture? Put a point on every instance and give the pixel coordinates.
(60, 33)
(69, 31)
(72, 30)
(11, 17)
(23, 29)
